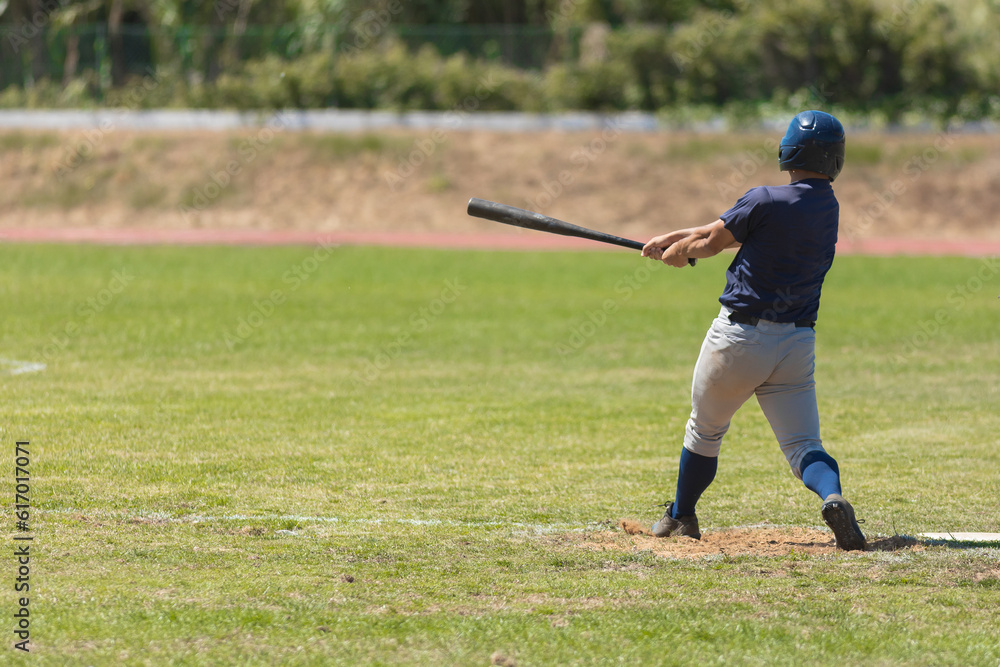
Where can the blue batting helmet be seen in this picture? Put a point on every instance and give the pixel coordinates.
(814, 142)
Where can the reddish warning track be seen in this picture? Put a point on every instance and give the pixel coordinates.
(514, 241)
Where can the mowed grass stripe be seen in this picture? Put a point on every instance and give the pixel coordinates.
(487, 392)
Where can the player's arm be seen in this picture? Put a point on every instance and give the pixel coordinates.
(677, 247)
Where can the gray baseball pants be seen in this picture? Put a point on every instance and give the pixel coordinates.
(776, 362)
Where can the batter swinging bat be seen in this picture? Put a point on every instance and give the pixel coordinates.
(518, 217)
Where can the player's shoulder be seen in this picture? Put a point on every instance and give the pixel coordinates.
(780, 194)
(759, 195)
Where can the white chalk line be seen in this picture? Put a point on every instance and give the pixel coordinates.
(15, 367)
(962, 537)
(451, 523)
(302, 518)
(517, 526)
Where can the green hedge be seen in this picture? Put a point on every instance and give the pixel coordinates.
(925, 58)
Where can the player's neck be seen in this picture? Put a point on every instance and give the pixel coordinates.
(801, 175)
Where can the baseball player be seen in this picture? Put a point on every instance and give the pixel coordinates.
(763, 341)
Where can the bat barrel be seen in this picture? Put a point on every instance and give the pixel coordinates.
(519, 217)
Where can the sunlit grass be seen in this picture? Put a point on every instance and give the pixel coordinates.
(385, 456)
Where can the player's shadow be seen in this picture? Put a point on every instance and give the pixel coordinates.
(892, 543)
(897, 542)
(960, 544)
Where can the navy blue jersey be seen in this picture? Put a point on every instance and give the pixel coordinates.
(789, 234)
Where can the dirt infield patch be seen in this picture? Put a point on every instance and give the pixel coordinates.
(749, 541)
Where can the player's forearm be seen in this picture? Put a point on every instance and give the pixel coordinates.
(696, 247)
(706, 241)
(677, 248)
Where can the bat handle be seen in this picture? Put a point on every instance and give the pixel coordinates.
(691, 260)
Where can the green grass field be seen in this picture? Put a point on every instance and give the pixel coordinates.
(384, 456)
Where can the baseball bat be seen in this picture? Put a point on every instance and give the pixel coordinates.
(519, 217)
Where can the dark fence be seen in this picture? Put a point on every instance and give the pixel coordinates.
(63, 53)
(925, 61)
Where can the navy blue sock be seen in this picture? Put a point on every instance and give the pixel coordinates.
(695, 474)
(820, 474)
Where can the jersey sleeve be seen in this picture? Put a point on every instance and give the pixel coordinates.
(747, 213)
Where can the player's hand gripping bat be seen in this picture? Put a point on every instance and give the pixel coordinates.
(518, 217)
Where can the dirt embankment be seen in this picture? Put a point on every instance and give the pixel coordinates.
(912, 186)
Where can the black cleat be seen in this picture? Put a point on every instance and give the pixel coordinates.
(668, 525)
(839, 516)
